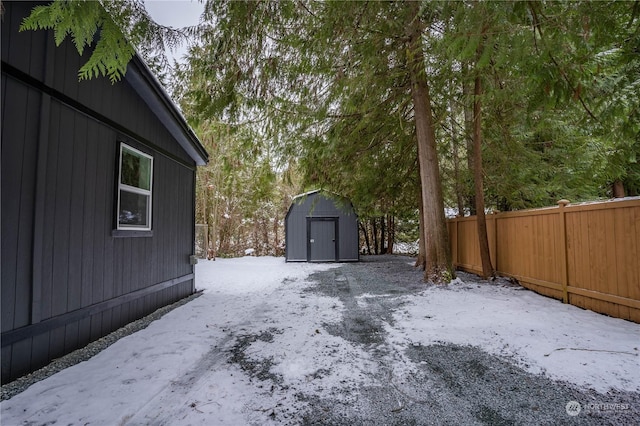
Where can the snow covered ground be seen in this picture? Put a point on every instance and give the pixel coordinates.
(255, 313)
(541, 334)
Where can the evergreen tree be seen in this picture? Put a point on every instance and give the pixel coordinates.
(240, 198)
(354, 97)
(328, 74)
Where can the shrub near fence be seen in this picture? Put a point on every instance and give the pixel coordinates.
(585, 254)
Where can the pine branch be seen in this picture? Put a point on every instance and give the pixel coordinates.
(576, 92)
(114, 28)
(537, 25)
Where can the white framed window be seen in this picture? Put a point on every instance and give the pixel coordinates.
(135, 188)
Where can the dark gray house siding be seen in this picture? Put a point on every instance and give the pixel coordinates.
(67, 277)
(321, 227)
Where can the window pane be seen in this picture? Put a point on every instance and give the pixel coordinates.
(133, 209)
(136, 169)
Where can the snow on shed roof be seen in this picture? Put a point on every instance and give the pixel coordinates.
(306, 194)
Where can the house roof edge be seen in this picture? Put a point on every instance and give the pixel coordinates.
(155, 96)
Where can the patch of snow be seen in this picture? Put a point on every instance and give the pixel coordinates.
(541, 334)
(456, 281)
(306, 194)
(408, 248)
(610, 200)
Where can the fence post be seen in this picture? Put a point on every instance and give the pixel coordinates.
(494, 246)
(563, 250)
(458, 239)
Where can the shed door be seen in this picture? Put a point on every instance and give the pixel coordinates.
(322, 240)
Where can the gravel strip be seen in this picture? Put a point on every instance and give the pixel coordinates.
(17, 386)
(449, 384)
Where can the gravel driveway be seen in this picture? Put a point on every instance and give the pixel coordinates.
(421, 385)
(443, 383)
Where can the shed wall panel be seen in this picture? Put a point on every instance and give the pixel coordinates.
(296, 235)
(349, 238)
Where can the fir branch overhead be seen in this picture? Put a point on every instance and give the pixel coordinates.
(114, 29)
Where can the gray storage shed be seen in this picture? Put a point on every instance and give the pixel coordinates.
(321, 227)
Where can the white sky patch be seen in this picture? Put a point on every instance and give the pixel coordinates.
(177, 14)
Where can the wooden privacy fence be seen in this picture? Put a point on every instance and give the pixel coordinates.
(585, 254)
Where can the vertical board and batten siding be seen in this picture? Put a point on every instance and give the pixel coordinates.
(61, 265)
(585, 254)
(17, 215)
(320, 205)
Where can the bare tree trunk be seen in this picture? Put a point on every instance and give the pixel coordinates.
(365, 233)
(256, 237)
(375, 236)
(391, 237)
(618, 189)
(223, 229)
(487, 268)
(438, 269)
(276, 240)
(383, 234)
(421, 261)
(456, 159)
(213, 218)
(468, 125)
(209, 215)
(264, 250)
(223, 243)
